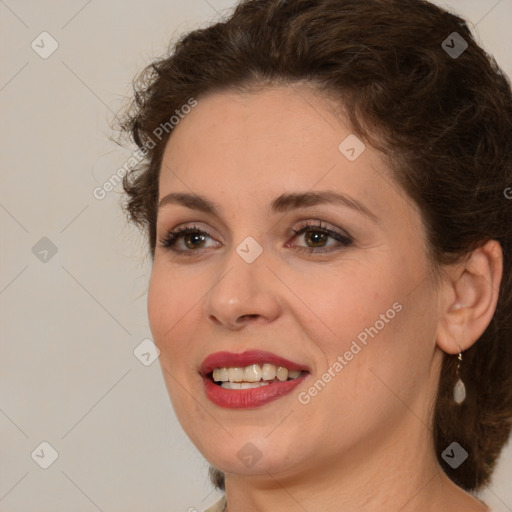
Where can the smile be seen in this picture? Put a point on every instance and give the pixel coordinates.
(253, 376)
(250, 379)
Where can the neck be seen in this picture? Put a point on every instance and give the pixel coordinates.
(399, 474)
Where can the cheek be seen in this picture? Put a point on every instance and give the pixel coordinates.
(384, 360)
(345, 301)
(370, 320)
(166, 306)
(174, 303)
(157, 306)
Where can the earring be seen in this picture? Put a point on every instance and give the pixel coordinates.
(459, 390)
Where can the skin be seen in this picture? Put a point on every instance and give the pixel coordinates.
(363, 443)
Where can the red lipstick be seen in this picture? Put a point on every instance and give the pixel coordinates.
(253, 397)
(230, 359)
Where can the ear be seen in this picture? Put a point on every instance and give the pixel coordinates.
(468, 297)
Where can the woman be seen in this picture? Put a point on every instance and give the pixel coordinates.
(324, 192)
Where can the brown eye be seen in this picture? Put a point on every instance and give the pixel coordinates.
(317, 236)
(193, 238)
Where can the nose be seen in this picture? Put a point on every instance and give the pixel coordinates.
(245, 293)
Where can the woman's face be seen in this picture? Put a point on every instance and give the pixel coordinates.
(357, 308)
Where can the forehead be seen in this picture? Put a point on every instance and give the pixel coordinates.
(276, 122)
(280, 138)
(254, 130)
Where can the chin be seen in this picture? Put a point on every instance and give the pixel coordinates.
(252, 462)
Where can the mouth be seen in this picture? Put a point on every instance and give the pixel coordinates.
(252, 376)
(250, 379)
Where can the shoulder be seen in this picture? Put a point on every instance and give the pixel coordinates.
(220, 506)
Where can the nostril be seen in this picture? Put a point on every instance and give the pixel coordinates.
(248, 316)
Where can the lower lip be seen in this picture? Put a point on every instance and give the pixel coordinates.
(249, 398)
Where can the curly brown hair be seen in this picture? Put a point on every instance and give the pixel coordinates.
(443, 121)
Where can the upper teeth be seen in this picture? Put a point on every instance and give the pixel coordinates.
(254, 373)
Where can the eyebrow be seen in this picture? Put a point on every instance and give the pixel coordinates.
(283, 203)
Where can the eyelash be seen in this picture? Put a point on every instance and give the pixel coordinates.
(169, 241)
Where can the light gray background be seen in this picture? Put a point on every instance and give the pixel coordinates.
(69, 325)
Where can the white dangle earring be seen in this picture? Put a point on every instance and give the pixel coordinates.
(459, 390)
